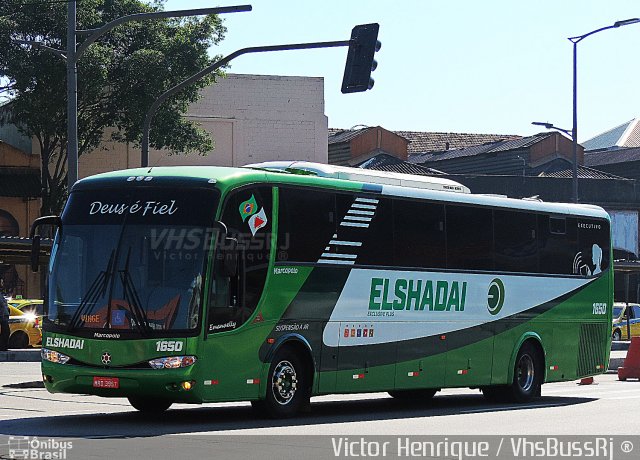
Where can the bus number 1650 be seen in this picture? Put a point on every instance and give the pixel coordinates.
(169, 345)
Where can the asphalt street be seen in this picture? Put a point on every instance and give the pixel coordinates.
(608, 407)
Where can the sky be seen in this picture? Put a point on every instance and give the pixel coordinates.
(462, 66)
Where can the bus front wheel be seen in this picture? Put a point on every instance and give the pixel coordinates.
(148, 405)
(287, 387)
(527, 374)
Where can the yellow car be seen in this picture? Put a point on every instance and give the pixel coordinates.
(32, 306)
(24, 328)
(619, 327)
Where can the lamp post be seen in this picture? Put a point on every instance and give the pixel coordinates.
(575, 40)
(548, 125)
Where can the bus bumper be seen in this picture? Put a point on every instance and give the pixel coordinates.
(165, 384)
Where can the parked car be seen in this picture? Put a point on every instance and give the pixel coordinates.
(619, 327)
(24, 328)
(32, 306)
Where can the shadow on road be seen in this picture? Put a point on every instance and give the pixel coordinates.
(221, 419)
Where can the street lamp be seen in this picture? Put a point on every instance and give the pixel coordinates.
(575, 40)
(548, 125)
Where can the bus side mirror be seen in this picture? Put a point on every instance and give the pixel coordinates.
(35, 253)
(36, 238)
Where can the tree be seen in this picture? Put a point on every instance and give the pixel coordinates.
(119, 77)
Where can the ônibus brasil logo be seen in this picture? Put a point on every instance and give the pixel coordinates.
(495, 297)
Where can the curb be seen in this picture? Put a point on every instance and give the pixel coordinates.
(20, 356)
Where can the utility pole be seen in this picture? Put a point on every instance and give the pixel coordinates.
(75, 52)
(72, 96)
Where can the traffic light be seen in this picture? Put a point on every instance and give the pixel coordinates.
(360, 63)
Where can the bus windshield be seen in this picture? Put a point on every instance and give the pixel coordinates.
(131, 262)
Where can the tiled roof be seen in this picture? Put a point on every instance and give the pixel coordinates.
(563, 168)
(607, 157)
(499, 146)
(435, 142)
(385, 162)
(624, 135)
(421, 141)
(559, 167)
(339, 136)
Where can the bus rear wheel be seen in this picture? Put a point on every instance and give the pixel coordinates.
(288, 390)
(148, 405)
(414, 395)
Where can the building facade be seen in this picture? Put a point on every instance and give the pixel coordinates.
(19, 206)
(252, 118)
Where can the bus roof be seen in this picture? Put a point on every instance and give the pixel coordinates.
(337, 178)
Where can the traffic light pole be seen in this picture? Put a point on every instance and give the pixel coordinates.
(357, 76)
(144, 160)
(74, 53)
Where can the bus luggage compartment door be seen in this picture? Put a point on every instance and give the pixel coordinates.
(364, 362)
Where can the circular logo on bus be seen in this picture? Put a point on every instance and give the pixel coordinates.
(106, 358)
(495, 297)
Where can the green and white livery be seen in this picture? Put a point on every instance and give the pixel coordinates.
(279, 281)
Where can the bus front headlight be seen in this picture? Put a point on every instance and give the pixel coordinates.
(54, 356)
(172, 362)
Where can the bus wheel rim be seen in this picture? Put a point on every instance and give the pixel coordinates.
(526, 372)
(284, 382)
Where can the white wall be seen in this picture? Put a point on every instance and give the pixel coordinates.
(624, 227)
(252, 118)
(257, 118)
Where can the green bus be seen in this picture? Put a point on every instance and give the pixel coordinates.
(280, 281)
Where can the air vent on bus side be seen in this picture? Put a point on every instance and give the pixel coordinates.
(591, 350)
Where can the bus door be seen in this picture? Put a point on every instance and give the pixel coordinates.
(230, 360)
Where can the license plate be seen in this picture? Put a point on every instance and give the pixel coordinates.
(106, 382)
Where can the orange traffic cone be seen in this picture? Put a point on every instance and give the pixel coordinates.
(586, 381)
(631, 367)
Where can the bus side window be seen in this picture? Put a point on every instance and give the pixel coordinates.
(558, 245)
(516, 246)
(419, 234)
(469, 238)
(593, 246)
(306, 224)
(366, 220)
(248, 217)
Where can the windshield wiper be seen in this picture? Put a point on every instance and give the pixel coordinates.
(98, 288)
(132, 298)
